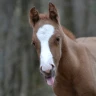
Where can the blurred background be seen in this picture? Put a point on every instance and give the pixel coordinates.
(19, 66)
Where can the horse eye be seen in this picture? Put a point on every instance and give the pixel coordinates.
(57, 39)
(33, 43)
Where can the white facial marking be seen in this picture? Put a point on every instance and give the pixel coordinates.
(46, 59)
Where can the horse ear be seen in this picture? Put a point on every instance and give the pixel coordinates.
(53, 14)
(34, 16)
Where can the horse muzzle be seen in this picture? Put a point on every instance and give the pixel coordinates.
(49, 75)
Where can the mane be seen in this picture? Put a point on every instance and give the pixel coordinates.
(68, 33)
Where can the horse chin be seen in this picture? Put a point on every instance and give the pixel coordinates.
(50, 80)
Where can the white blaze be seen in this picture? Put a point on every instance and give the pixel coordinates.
(46, 59)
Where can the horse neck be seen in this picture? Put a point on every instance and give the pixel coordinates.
(67, 66)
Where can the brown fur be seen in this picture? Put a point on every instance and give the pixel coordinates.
(46, 17)
(75, 61)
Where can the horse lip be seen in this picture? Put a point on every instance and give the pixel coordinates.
(47, 77)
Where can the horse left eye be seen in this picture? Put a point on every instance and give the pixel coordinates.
(33, 43)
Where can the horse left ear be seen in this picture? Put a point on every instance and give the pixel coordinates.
(34, 16)
(53, 14)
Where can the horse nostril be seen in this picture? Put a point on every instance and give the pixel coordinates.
(41, 69)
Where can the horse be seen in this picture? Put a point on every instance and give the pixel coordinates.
(68, 64)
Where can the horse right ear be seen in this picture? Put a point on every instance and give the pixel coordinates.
(34, 16)
(53, 14)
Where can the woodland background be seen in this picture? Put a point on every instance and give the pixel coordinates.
(19, 67)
